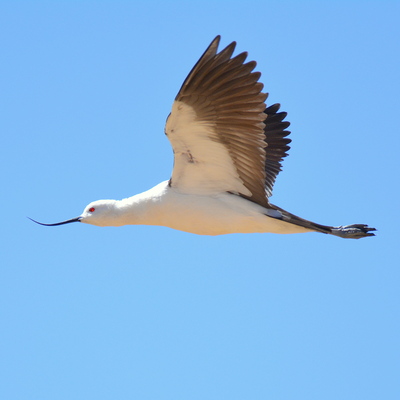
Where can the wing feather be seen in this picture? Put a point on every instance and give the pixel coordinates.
(277, 144)
(223, 136)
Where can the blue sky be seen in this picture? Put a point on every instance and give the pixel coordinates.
(143, 312)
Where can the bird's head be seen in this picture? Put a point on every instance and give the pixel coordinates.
(100, 213)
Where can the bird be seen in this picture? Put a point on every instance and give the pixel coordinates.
(228, 149)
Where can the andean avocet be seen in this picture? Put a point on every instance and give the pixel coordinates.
(228, 147)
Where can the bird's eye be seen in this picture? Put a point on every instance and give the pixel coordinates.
(91, 209)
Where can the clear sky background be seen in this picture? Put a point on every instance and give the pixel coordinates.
(154, 314)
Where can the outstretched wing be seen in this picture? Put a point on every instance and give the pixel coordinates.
(217, 129)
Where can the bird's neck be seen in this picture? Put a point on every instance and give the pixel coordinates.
(140, 209)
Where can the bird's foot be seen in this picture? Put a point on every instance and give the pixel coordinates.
(355, 231)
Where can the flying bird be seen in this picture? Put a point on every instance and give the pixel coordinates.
(228, 147)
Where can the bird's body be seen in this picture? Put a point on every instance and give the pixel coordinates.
(228, 148)
(216, 214)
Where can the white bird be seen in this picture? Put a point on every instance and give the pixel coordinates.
(228, 147)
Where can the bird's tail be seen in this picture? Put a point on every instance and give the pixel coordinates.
(355, 231)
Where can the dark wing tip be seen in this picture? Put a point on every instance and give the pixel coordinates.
(277, 144)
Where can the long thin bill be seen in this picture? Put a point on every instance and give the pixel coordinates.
(68, 221)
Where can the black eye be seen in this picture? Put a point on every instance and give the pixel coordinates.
(91, 209)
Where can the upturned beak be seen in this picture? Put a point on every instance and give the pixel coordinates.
(68, 221)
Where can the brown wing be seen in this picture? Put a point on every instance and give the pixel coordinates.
(216, 127)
